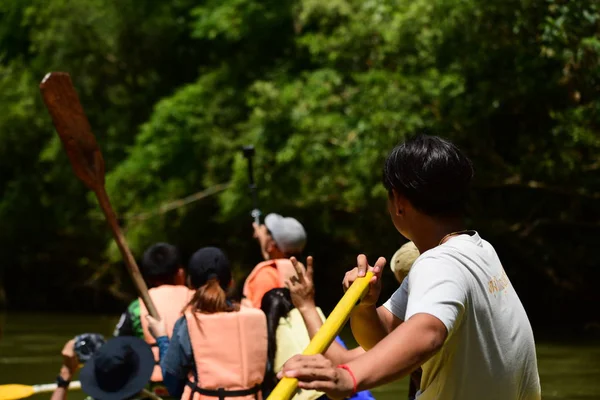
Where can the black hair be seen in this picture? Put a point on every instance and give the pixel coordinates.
(432, 173)
(160, 263)
(276, 303)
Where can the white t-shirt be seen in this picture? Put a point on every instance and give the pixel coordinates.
(489, 352)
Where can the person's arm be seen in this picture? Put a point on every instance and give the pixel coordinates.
(369, 324)
(401, 352)
(435, 307)
(67, 370)
(163, 346)
(175, 361)
(335, 352)
(261, 234)
(302, 291)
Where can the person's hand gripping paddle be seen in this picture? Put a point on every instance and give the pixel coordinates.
(80, 144)
(363, 282)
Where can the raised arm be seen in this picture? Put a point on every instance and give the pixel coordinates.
(437, 301)
(369, 323)
(302, 291)
(67, 370)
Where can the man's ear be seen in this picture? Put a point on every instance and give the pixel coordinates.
(398, 203)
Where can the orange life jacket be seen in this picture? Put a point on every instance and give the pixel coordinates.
(169, 300)
(285, 270)
(230, 354)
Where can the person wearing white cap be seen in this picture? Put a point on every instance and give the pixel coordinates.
(279, 238)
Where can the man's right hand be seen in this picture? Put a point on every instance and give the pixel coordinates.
(362, 266)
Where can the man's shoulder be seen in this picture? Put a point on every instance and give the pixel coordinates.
(440, 261)
(455, 248)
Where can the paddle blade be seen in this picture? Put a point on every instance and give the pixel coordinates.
(73, 128)
(15, 391)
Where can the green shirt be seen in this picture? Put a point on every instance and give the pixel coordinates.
(130, 324)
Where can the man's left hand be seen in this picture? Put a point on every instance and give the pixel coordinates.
(318, 373)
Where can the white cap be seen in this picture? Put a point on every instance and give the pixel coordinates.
(288, 233)
(403, 259)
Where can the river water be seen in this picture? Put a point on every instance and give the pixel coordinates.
(30, 347)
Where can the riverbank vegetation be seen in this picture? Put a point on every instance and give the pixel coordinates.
(323, 90)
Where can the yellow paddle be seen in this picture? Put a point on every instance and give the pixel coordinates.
(333, 325)
(16, 391)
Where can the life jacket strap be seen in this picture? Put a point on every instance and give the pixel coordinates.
(221, 393)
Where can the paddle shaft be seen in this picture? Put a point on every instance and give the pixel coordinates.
(132, 268)
(50, 387)
(79, 142)
(331, 327)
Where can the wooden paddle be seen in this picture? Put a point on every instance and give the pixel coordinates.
(332, 326)
(15, 391)
(80, 144)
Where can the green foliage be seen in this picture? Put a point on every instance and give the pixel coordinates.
(323, 90)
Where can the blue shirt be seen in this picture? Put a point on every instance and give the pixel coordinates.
(176, 358)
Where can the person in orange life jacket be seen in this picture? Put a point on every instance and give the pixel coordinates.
(279, 239)
(208, 345)
(161, 268)
(300, 294)
(166, 278)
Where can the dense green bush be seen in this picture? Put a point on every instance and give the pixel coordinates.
(323, 90)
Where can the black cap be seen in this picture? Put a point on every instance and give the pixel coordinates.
(120, 369)
(208, 263)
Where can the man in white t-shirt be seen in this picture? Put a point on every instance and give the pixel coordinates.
(457, 316)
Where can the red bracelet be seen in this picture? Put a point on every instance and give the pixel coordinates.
(354, 383)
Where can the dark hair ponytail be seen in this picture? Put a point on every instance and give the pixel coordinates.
(276, 303)
(210, 298)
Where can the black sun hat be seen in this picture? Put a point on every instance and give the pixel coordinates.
(120, 369)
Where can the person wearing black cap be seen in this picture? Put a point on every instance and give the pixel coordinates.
(216, 343)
